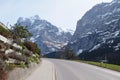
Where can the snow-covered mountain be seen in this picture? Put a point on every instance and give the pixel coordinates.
(98, 28)
(48, 37)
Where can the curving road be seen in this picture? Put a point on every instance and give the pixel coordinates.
(69, 70)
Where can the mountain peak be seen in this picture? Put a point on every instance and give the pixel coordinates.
(47, 36)
(36, 17)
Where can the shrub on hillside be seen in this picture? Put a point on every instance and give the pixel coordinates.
(3, 56)
(20, 31)
(32, 47)
(27, 52)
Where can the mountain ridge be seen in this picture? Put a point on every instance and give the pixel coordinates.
(49, 37)
(97, 26)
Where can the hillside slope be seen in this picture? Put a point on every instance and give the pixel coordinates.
(15, 54)
(98, 25)
(98, 33)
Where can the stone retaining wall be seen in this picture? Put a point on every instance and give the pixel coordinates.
(21, 74)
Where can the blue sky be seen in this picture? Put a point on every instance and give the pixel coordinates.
(62, 13)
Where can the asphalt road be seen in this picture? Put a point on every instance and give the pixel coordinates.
(70, 70)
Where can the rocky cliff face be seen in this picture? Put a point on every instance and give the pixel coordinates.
(48, 37)
(100, 25)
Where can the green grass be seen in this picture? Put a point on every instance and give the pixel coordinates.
(12, 66)
(104, 65)
(34, 59)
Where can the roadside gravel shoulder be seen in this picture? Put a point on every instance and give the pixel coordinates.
(46, 71)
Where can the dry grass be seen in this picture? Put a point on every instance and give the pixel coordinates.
(4, 32)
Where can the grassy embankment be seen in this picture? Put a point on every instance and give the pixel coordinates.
(104, 65)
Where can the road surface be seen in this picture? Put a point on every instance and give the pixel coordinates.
(70, 70)
(44, 72)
